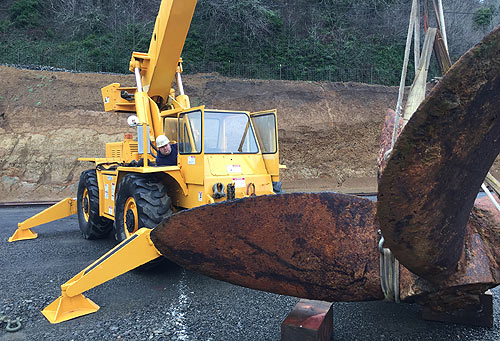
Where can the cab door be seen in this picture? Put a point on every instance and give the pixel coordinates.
(190, 132)
(265, 125)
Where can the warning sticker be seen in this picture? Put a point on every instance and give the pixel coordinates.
(239, 182)
(233, 168)
(106, 99)
(113, 191)
(191, 160)
(110, 178)
(200, 196)
(110, 210)
(106, 191)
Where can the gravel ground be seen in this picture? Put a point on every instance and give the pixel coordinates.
(172, 303)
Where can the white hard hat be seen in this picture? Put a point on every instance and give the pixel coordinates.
(161, 141)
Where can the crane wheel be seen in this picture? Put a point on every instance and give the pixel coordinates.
(92, 225)
(141, 201)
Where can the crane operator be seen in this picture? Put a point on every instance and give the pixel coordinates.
(167, 153)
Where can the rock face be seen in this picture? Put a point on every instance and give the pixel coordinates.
(328, 131)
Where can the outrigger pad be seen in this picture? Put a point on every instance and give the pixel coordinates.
(320, 246)
(22, 234)
(431, 180)
(66, 308)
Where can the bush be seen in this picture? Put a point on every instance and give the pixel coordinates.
(4, 26)
(26, 13)
(483, 17)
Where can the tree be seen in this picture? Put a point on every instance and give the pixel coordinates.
(26, 13)
(483, 17)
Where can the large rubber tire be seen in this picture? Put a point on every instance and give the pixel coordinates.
(92, 225)
(141, 201)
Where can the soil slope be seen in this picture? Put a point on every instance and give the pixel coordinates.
(328, 131)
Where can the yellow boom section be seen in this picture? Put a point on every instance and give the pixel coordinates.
(159, 65)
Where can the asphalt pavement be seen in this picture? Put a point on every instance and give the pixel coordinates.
(171, 303)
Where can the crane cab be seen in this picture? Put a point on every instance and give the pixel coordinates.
(224, 154)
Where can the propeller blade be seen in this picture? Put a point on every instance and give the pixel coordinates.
(431, 180)
(320, 246)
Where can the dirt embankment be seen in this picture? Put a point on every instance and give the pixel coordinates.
(328, 131)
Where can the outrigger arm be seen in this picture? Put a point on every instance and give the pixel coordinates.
(62, 209)
(133, 252)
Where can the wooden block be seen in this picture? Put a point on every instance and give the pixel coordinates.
(308, 321)
(481, 315)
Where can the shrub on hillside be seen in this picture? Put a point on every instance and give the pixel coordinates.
(26, 13)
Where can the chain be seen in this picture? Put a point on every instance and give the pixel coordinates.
(11, 325)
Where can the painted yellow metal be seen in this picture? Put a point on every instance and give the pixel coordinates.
(234, 165)
(183, 101)
(190, 183)
(197, 172)
(100, 160)
(156, 120)
(194, 198)
(192, 169)
(86, 208)
(171, 112)
(124, 151)
(271, 157)
(111, 96)
(142, 108)
(66, 308)
(62, 209)
(240, 170)
(172, 171)
(22, 234)
(134, 251)
(159, 65)
(203, 194)
(108, 180)
(100, 185)
(185, 124)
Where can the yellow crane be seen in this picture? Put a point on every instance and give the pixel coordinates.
(220, 155)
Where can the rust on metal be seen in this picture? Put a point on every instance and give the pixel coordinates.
(323, 246)
(320, 246)
(480, 314)
(478, 268)
(431, 180)
(385, 142)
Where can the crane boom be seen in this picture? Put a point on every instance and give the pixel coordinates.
(159, 66)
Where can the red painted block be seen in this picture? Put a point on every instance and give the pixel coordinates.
(308, 321)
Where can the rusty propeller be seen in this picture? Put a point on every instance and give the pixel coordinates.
(324, 245)
(437, 166)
